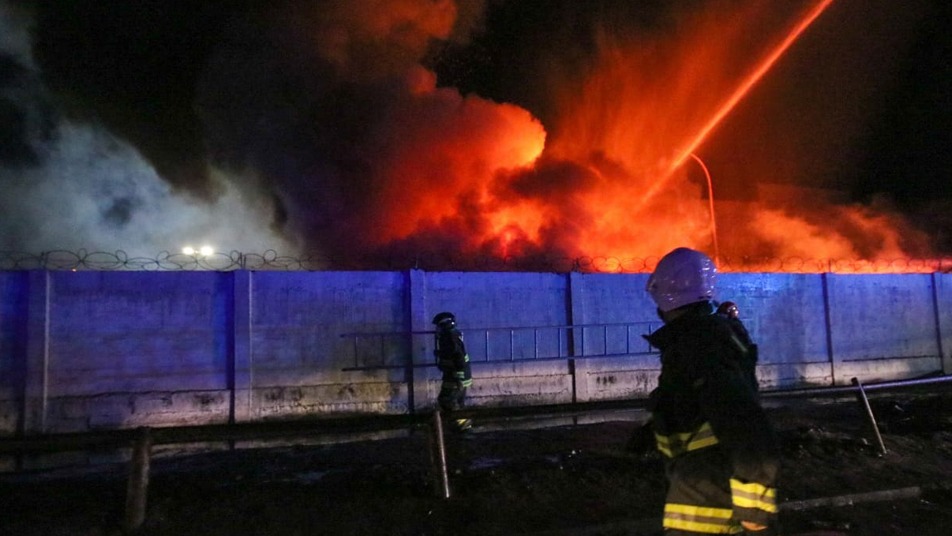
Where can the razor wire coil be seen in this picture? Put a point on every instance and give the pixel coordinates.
(270, 260)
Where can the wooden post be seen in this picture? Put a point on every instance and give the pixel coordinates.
(138, 485)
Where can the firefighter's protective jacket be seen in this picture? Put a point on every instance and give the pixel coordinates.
(452, 359)
(705, 404)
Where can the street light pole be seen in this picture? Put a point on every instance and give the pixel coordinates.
(710, 200)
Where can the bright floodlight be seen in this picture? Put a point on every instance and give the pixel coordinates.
(188, 250)
(207, 250)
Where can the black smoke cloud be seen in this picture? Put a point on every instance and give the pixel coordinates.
(280, 108)
(100, 150)
(278, 125)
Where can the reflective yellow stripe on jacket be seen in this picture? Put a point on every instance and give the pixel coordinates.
(458, 383)
(460, 375)
(754, 495)
(700, 519)
(674, 445)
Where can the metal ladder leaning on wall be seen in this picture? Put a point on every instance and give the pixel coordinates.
(393, 349)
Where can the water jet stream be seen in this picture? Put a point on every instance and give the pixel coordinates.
(736, 97)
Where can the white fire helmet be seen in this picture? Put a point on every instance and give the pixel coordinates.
(682, 276)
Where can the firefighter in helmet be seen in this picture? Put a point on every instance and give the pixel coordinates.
(719, 448)
(729, 310)
(453, 362)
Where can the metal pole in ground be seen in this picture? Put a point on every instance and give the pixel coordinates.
(438, 455)
(861, 395)
(138, 485)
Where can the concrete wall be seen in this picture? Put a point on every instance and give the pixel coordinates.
(13, 344)
(90, 350)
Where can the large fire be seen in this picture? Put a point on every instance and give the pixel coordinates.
(450, 178)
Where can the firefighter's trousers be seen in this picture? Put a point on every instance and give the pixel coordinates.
(698, 499)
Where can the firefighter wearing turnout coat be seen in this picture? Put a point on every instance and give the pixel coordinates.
(730, 311)
(720, 451)
(453, 362)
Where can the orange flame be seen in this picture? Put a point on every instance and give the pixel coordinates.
(472, 177)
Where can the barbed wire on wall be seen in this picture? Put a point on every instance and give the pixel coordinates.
(270, 260)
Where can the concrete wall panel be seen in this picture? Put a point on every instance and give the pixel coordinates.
(616, 378)
(502, 384)
(776, 376)
(498, 300)
(783, 313)
(13, 326)
(878, 370)
(548, 382)
(882, 316)
(611, 299)
(298, 320)
(130, 410)
(135, 332)
(943, 297)
(357, 397)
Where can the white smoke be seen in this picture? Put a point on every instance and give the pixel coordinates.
(95, 192)
(80, 187)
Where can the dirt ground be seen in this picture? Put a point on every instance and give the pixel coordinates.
(571, 479)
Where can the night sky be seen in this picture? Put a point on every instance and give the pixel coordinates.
(290, 125)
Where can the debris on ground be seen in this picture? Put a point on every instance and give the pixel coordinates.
(594, 478)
